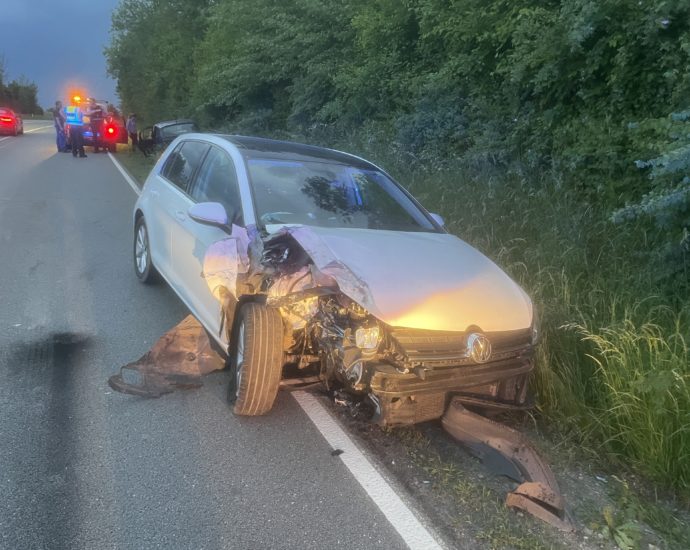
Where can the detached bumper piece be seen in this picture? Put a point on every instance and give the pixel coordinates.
(509, 453)
(177, 360)
(404, 399)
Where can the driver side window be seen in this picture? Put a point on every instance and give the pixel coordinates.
(217, 182)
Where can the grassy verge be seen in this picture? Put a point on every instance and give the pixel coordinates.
(136, 164)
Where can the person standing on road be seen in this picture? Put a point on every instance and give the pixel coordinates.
(96, 118)
(59, 120)
(76, 132)
(132, 130)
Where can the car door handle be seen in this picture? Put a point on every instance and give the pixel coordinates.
(154, 193)
(180, 215)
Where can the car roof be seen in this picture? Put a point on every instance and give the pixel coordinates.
(6, 110)
(165, 123)
(257, 148)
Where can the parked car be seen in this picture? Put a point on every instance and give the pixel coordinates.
(299, 259)
(10, 122)
(113, 130)
(161, 134)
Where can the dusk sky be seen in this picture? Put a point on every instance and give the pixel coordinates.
(57, 44)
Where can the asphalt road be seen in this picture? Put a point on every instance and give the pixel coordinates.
(82, 466)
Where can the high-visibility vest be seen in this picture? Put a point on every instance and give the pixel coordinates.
(74, 116)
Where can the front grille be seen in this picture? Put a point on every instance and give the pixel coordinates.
(433, 348)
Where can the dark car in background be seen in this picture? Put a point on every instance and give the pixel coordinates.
(113, 130)
(163, 133)
(10, 122)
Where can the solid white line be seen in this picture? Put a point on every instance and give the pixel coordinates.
(125, 175)
(403, 520)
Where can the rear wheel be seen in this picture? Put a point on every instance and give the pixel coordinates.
(143, 267)
(257, 360)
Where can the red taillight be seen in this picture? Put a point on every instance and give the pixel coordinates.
(6, 119)
(110, 131)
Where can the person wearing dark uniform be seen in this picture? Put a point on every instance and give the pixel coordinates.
(96, 116)
(60, 121)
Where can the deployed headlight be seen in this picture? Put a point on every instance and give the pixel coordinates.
(367, 338)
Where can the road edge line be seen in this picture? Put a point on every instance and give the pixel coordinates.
(396, 511)
(125, 174)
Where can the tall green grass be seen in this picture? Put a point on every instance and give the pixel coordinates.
(613, 364)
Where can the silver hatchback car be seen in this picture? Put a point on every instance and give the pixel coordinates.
(309, 263)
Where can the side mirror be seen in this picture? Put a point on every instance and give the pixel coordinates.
(438, 219)
(209, 213)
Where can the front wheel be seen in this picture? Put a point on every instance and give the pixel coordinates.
(143, 267)
(257, 360)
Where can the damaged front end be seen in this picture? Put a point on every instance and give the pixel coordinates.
(407, 374)
(410, 375)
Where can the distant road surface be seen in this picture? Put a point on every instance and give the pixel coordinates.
(83, 467)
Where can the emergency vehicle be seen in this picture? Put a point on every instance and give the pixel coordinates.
(113, 130)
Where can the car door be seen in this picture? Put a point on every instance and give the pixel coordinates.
(215, 181)
(171, 206)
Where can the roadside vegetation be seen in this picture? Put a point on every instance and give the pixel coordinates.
(553, 136)
(18, 94)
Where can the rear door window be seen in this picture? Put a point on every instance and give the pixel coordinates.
(183, 163)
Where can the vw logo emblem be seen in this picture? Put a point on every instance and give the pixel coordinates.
(478, 347)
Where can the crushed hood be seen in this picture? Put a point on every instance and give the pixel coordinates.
(432, 281)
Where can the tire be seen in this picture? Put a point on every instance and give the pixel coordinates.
(112, 148)
(256, 361)
(143, 267)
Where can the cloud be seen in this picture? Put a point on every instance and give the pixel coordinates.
(52, 42)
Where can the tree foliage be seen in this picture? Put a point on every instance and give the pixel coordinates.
(20, 94)
(539, 82)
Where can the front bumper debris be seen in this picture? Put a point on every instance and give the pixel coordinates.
(177, 360)
(510, 454)
(389, 382)
(410, 398)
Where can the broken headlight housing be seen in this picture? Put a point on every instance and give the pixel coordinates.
(368, 338)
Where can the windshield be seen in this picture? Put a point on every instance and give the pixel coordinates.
(330, 195)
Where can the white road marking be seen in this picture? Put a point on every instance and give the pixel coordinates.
(37, 129)
(403, 520)
(400, 516)
(125, 175)
(27, 132)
